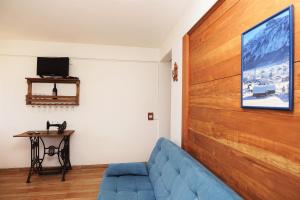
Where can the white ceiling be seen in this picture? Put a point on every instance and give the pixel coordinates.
(144, 23)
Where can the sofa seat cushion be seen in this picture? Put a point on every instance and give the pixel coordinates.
(126, 188)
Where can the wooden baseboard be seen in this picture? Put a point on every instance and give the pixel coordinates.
(3, 170)
(90, 166)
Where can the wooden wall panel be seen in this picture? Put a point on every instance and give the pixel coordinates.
(224, 93)
(185, 89)
(257, 152)
(222, 39)
(248, 175)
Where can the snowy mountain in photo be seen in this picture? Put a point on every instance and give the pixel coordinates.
(267, 45)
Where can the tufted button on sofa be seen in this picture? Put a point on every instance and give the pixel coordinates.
(170, 174)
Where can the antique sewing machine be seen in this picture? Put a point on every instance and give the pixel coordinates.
(60, 127)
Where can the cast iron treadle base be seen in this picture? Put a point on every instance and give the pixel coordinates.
(62, 152)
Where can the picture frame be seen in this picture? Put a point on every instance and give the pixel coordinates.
(267, 58)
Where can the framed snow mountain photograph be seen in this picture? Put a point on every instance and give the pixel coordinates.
(267, 63)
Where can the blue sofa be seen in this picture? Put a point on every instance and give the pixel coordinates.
(170, 174)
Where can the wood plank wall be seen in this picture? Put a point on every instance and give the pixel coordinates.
(257, 152)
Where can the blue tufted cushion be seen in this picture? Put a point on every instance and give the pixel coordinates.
(137, 168)
(175, 175)
(126, 188)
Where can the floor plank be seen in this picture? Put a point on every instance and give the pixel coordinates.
(81, 183)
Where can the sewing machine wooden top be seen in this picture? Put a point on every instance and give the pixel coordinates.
(45, 134)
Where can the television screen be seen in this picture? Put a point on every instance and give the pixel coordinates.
(55, 66)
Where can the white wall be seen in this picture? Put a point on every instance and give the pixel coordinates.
(195, 10)
(176, 96)
(192, 14)
(119, 85)
(164, 99)
(76, 50)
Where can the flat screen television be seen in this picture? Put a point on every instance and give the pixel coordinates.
(53, 66)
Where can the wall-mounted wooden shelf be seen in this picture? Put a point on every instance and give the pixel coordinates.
(49, 100)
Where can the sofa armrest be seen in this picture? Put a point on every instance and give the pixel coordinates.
(122, 169)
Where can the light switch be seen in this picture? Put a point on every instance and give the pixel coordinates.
(150, 116)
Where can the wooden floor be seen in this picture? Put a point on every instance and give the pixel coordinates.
(81, 183)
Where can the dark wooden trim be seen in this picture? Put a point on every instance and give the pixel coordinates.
(90, 166)
(19, 169)
(185, 89)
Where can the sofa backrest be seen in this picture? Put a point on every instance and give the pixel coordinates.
(175, 175)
